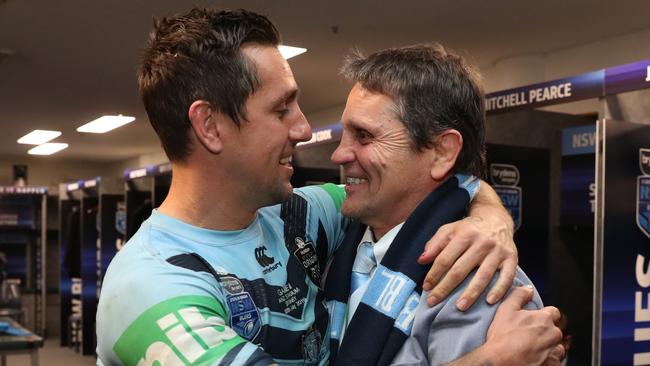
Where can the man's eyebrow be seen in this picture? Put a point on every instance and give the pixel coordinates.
(288, 96)
(361, 124)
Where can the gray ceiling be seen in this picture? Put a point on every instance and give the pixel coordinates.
(75, 60)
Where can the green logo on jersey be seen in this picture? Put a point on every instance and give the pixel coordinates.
(185, 330)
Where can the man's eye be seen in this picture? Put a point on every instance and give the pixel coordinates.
(363, 136)
(282, 112)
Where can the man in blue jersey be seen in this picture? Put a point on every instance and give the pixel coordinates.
(227, 271)
(423, 105)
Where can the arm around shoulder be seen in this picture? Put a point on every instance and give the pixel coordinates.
(483, 239)
(517, 337)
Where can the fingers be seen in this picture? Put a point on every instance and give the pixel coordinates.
(436, 244)
(469, 260)
(460, 247)
(505, 280)
(444, 261)
(519, 297)
(480, 282)
(553, 334)
(559, 352)
(555, 357)
(484, 253)
(452, 268)
(553, 312)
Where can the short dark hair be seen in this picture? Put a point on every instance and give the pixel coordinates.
(197, 56)
(433, 90)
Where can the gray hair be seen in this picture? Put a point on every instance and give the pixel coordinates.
(433, 90)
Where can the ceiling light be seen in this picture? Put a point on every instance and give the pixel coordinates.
(105, 124)
(38, 137)
(288, 51)
(47, 148)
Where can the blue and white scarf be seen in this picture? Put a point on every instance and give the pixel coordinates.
(384, 318)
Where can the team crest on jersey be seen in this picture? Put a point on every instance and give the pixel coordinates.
(643, 192)
(311, 342)
(231, 284)
(505, 178)
(244, 316)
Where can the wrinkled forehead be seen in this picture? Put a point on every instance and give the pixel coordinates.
(371, 109)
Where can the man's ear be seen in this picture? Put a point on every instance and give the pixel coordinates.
(448, 146)
(205, 123)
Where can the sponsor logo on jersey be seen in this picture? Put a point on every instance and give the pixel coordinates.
(186, 330)
(643, 192)
(265, 261)
(262, 258)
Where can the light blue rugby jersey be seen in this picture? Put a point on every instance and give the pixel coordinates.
(161, 303)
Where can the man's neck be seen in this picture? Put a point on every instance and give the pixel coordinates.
(400, 211)
(205, 202)
(384, 224)
(378, 233)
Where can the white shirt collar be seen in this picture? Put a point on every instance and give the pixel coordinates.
(381, 246)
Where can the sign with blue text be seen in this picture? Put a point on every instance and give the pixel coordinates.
(643, 192)
(520, 176)
(593, 84)
(577, 177)
(565, 90)
(324, 134)
(505, 178)
(625, 305)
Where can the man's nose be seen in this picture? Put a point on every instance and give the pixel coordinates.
(300, 130)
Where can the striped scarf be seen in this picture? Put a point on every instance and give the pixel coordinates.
(384, 317)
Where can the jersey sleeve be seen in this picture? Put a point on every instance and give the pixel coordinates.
(188, 327)
(186, 330)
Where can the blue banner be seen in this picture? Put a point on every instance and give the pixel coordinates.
(585, 86)
(628, 77)
(323, 135)
(147, 171)
(19, 212)
(83, 184)
(626, 250)
(89, 244)
(579, 140)
(577, 177)
(520, 176)
(613, 80)
(22, 190)
(70, 264)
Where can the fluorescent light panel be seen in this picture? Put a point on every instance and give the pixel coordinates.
(289, 51)
(105, 123)
(38, 137)
(47, 148)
